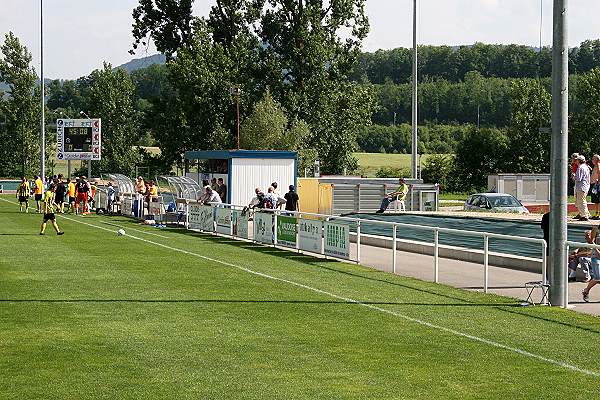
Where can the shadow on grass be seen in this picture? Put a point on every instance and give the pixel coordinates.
(223, 301)
(328, 264)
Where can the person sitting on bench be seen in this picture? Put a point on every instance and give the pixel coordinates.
(398, 195)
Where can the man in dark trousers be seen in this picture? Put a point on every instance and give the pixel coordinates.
(222, 190)
(292, 200)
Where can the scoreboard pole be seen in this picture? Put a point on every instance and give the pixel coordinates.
(89, 169)
(69, 169)
(43, 105)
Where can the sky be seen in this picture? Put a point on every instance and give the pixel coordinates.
(80, 34)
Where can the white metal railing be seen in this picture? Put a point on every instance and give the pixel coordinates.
(486, 236)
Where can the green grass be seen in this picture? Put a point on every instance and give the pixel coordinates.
(91, 315)
(370, 163)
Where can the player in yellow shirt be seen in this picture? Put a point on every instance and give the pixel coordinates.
(72, 192)
(39, 189)
(23, 194)
(49, 211)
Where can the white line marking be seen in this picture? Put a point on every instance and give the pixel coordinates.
(135, 230)
(370, 306)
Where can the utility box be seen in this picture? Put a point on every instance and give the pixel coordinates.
(525, 187)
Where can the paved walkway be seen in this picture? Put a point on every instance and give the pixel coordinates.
(466, 275)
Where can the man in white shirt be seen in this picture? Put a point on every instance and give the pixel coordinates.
(211, 197)
(582, 187)
(280, 199)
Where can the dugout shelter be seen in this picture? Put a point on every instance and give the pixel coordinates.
(244, 170)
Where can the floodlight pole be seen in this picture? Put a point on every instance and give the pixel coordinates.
(42, 95)
(415, 134)
(559, 158)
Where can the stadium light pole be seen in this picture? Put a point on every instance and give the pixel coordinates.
(415, 133)
(236, 91)
(558, 154)
(42, 95)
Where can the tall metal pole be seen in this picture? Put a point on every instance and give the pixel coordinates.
(415, 135)
(559, 158)
(238, 121)
(42, 103)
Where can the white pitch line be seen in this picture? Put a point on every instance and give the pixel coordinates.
(135, 230)
(370, 306)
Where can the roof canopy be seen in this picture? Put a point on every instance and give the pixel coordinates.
(229, 154)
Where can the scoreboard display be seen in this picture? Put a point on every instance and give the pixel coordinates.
(78, 139)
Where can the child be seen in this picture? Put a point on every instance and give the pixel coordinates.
(49, 211)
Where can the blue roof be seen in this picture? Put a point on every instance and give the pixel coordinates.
(229, 154)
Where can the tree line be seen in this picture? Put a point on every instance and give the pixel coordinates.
(454, 63)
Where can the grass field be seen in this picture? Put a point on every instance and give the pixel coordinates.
(169, 314)
(370, 163)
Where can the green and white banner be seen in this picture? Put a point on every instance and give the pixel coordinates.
(239, 221)
(309, 235)
(337, 240)
(263, 227)
(223, 220)
(206, 219)
(286, 231)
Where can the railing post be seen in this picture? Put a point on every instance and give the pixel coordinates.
(276, 213)
(545, 269)
(394, 243)
(358, 243)
(436, 256)
(298, 218)
(486, 241)
(565, 303)
(187, 216)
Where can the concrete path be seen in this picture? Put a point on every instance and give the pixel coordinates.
(469, 276)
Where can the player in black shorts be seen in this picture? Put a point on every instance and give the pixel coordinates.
(23, 194)
(49, 211)
(60, 194)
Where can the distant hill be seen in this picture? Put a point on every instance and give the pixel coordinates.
(145, 62)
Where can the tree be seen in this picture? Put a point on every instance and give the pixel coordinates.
(479, 154)
(19, 142)
(529, 149)
(111, 98)
(169, 23)
(586, 123)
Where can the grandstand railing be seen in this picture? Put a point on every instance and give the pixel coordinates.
(358, 222)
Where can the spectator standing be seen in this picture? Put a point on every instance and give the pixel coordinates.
(141, 186)
(110, 196)
(270, 202)
(398, 195)
(292, 200)
(23, 194)
(280, 200)
(595, 185)
(222, 190)
(582, 187)
(38, 193)
(213, 184)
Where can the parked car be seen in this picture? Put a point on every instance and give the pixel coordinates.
(495, 202)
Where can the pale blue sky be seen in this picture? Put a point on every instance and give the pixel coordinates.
(80, 34)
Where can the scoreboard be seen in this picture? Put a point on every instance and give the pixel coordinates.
(78, 139)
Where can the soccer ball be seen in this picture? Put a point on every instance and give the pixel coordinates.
(120, 232)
